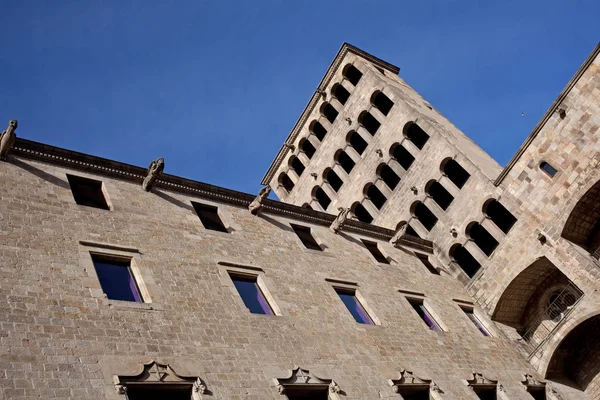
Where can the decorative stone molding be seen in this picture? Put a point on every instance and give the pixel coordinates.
(340, 220)
(480, 379)
(155, 374)
(303, 379)
(409, 381)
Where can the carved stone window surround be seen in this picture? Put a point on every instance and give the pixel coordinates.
(303, 379)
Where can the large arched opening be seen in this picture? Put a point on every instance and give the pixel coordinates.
(583, 225)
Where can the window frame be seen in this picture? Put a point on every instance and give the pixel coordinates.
(419, 299)
(228, 229)
(352, 287)
(317, 241)
(468, 307)
(71, 179)
(366, 243)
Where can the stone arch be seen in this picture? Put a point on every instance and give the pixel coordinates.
(388, 176)
(422, 213)
(454, 171)
(307, 147)
(356, 141)
(317, 129)
(481, 237)
(352, 73)
(439, 194)
(373, 193)
(499, 215)
(401, 155)
(361, 213)
(285, 181)
(340, 93)
(296, 165)
(461, 256)
(369, 122)
(381, 102)
(329, 112)
(413, 132)
(345, 161)
(333, 179)
(582, 227)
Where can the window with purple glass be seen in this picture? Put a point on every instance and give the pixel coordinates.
(250, 292)
(475, 321)
(419, 307)
(116, 279)
(349, 299)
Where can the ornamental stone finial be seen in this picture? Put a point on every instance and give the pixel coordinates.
(8, 138)
(154, 170)
(256, 204)
(339, 222)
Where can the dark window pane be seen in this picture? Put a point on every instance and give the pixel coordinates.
(465, 260)
(415, 134)
(306, 237)
(116, 279)
(355, 308)
(425, 316)
(209, 217)
(425, 261)
(486, 393)
(412, 394)
(352, 73)
(538, 394)
(156, 393)
(251, 295)
(306, 394)
(548, 169)
(500, 216)
(87, 192)
(456, 173)
(375, 252)
(362, 214)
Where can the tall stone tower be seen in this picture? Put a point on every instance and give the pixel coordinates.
(524, 240)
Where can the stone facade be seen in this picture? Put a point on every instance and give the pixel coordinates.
(62, 337)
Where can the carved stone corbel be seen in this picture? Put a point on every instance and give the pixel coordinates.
(256, 204)
(200, 387)
(337, 224)
(154, 170)
(8, 139)
(334, 387)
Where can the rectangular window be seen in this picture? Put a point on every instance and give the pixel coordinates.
(425, 261)
(475, 320)
(253, 297)
(306, 237)
(306, 393)
(87, 192)
(486, 392)
(419, 307)
(375, 252)
(157, 392)
(116, 279)
(349, 299)
(209, 217)
(409, 393)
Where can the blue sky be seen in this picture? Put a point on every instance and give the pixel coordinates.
(215, 87)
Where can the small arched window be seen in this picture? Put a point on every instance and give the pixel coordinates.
(345, 161)
(296, 165)
(439, 194)
(368, 121)
(482, 238)
(499, 215)
(329, 112)
(402, 156)
(285, 181)
(340, 93)
(381, 102)
(421, 212)
(455, 172)
(361, 213)
(333, 179)
(416, 135)
(464, 259)
(374, 194)
(352, 73)
(389, 176)
(357, 142)
(307, 147)
(322, 198)
(318, 130)
(548, 169)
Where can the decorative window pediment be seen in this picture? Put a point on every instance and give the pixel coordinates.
(302, 380)
(535, 388)
(155, 375)
(410, 384)
(485, 388)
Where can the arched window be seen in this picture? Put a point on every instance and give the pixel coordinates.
(357, 142)
(548, 169)
(402, 156)
(368, 121)
(464, 259)
(421, 212)
(333, 179)
(499, 215)
(296, 165)
(361, 213)
(439, 194)
(455, 172)
(307, 147)
(318, 130)
(322, 198)
(382, 102)
(329, 112)
(352, 73)
(285, 181)
(340, 93)
(374, 194)
(416, 135)
(482, 238)
(388, 176)
(345, 161)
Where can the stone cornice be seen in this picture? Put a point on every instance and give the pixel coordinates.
(540, 125)
(28, 149)
(333, 67)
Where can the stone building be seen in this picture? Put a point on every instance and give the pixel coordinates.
(402, 263)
